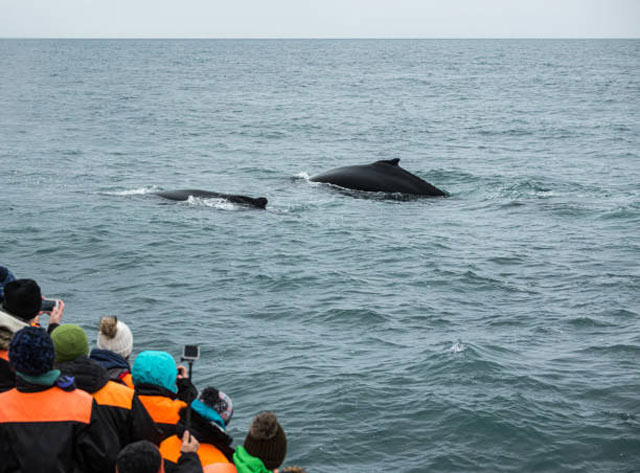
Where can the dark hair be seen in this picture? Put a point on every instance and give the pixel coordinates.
(139, 457)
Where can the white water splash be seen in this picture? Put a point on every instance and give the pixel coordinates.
(216, 203)
(140, 191)
(303, 175)
(457, 347)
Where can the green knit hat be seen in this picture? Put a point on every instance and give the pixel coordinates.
(70, 342)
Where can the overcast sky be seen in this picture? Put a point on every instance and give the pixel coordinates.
(320, 18)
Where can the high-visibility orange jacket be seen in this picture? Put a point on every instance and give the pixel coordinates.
(207, 453)
(53, 430)
(118, 404)
(162, 406)
(215, 444)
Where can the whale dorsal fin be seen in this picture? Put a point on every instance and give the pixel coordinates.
(392, 162)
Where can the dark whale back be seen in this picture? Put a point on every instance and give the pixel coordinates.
(381, 176)
(184, 194)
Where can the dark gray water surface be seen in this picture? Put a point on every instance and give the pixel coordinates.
(495, 330)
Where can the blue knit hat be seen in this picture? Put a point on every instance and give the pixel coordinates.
(155, 367)
(6, 277)
(31, 351)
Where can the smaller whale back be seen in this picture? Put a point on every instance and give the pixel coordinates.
(184, 194)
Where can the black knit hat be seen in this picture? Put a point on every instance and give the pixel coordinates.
(22, 298)
(139, 457)
(31, 351)
(266, 440)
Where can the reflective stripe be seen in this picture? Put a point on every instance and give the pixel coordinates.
(114, 394)
(162, 409)
(208, 454)
(52, 405)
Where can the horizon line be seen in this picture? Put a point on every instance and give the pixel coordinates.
(316, 38)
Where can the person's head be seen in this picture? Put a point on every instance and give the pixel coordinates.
(155, 367)
(266, 440)
(22, 299)
(214, 406)
(115, 336)
(139, 457)
(31, 351)
(70, 342)
(6, 276)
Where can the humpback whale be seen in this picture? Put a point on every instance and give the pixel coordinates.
(381, 176)
(184, 194)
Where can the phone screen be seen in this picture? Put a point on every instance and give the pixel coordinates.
(191, 352)
(48, 305)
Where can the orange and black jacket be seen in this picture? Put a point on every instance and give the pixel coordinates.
(164, 405)
(48, 429)
(116, 365)
(118, 404)
(215, 445)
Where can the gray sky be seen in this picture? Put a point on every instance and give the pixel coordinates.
(320, 18)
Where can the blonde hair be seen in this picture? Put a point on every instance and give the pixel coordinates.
(109, 326)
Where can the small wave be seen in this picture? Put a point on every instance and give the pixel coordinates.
(139, 191)
(457, 347)
(588, 322)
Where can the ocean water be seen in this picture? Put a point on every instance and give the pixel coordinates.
(497, 329)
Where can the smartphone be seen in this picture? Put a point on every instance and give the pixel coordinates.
(191, 353)
(48, 305)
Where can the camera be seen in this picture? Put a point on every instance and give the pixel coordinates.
(48, 305)
(191, 353)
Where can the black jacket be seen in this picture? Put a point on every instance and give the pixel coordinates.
(7, 377)
(48, 429)
(188, 463)
(118, 404)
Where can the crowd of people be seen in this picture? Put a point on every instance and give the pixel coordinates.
(64, 408)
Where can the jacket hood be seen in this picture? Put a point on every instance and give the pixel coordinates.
(89, 375)
(155, 367)
(109, 359)
(13, 324)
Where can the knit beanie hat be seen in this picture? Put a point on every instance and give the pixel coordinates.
(6, 277)
(139, 457)
(31, 351)
(155, 367)
(215, 406)
(266, 440)
(219, 402)
(70, 342)
(115, 336)
(22, 298)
